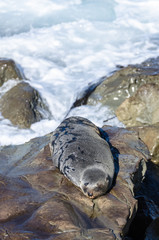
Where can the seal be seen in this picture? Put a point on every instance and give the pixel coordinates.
(83, 156)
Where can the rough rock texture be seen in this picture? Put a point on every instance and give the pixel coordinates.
(123, 84)
(142, 108)
(38, 202)
(23, 105)
(150, 136)
(9, 70)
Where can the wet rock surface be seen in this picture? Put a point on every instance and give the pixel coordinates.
(9, 70)
(38, 202)
(122, 84)
(23, 105)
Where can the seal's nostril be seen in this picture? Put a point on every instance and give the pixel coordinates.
(90, 194)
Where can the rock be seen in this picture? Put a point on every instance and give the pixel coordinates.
(150, 136)
(114, 89)
(38, 202)
(152, 232)
(148, 203)
(123, 84)
(83, 97)
(9, 70)
(23, 105)
(148, 196)
(149, 189)
(129, 149)
(142, 108)
(142, 219)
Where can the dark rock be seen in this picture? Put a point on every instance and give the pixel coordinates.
(149, 189)
(9, 70)
(23, 105)
(152, 232)
(148, 204)
(82, 100)
(38, 202)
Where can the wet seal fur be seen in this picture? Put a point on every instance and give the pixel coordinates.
(83, 156)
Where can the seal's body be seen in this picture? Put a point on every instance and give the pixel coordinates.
(83, 156)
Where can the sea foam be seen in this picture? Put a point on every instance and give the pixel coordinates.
(64, 46)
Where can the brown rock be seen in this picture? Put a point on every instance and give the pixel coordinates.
(150, 136)
(9, 70)
(23, 105)
(60, 213)
(9, 234)
(86, 234)
(141, 109)
(38, 202)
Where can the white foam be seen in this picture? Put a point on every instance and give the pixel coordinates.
(40, 13)
(64, 46)
(98, 114)
(7, 86)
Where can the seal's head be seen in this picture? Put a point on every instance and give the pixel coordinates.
(94, 182)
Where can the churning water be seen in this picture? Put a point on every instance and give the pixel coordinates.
(63, 46)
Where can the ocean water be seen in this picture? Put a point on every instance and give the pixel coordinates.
(64, 46)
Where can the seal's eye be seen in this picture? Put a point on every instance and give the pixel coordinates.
(86, 184)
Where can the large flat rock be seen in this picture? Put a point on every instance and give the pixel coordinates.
(38, 202)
